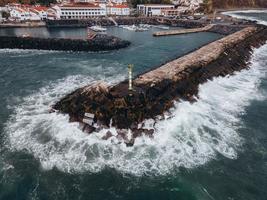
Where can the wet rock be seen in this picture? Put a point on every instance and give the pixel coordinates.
(107, 135)
(88, 129)
(130, 142)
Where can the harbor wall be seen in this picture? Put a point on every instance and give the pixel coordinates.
(100, 42)
(124, 21)
(224, 29)
(155, 91)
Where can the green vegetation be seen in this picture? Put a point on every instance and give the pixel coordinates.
(5, 15)
(207, 6)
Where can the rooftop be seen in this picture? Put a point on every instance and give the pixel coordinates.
(119, 6)
(157, 5)
(79, 5)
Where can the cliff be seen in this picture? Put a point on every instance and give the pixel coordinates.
(228, 4)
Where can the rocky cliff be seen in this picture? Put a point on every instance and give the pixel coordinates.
(239, 3)
(211, 5)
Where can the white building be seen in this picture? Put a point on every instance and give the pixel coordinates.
(153, 9)
(23, 14)
(52, 14)
(79, 11)
(40, 11)
(118, 9)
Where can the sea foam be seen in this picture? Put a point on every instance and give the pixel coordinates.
(195, 134)
(242, 15)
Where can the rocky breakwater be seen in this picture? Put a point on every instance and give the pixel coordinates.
(99, 42)
(154, 92)
(124, 21)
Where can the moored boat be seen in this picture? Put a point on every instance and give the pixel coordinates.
(98, 28)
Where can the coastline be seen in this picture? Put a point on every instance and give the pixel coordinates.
(245, 9)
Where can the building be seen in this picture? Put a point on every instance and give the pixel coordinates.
(41, 11)
(170, 12)
(23, 14)
(118, 9)
(52, 14)
(153, 9)
(79, 11)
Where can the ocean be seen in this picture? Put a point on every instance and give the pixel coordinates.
(215, 148)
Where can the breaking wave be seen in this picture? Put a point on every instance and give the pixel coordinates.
(195, 134)
(242, 15)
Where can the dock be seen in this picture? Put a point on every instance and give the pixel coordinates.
(183, 31)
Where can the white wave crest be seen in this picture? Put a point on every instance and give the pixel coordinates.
(197, 133)
(242, 15)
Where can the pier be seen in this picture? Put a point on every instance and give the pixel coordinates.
(154, 93)
(183, 31)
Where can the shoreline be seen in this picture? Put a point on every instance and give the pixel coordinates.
(241, 9)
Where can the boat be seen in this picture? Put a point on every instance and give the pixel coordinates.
(98, 28)
(135, 28)
(163, 27)
(26, 35)
(139, 29)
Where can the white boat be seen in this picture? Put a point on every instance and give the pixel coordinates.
(163, 27)
(98, 28)
(135, 28)
(131, 28)
(139, 29)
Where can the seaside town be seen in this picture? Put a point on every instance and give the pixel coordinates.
(85, 9)
(133, 99)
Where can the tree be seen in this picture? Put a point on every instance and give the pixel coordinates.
(5, 15)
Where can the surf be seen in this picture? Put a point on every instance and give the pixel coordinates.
(193, 135)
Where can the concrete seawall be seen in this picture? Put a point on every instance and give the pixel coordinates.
(98, 43)
(183, 31)
(155, 91)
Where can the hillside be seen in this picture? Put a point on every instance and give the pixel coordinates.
(238, 3)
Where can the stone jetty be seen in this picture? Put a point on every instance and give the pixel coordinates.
(183, 31)
(100, 42)
(154, 92)
(124, 21)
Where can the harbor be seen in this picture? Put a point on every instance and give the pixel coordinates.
(95, 106)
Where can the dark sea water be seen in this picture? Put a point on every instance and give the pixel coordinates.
(215, 148)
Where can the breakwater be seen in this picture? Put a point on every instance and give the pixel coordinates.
(183, 31)
(125, 21)
(98, 43)
(224, 29)
(155, 91)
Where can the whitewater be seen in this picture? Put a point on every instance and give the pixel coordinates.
(193, 135)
